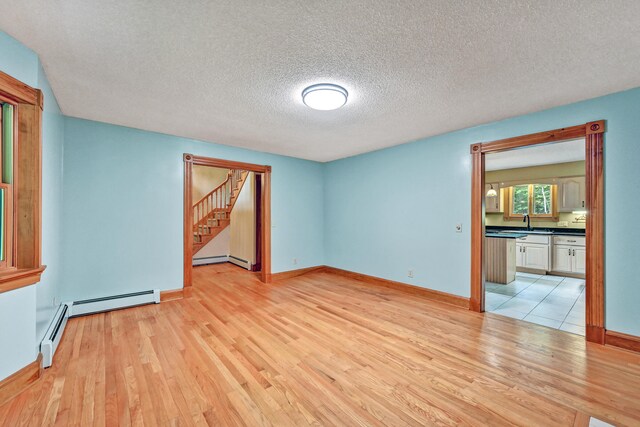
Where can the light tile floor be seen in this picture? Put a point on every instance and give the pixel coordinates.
(553, 301)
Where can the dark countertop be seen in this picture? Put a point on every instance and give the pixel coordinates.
(546, 231)
(505, 235)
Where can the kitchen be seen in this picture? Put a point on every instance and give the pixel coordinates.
(535, 219)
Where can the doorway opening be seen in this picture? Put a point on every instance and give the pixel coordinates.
(593, 213)
(535, 221)
(227, 215)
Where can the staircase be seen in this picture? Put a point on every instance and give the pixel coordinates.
(212, 213)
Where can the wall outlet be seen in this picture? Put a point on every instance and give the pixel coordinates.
(563, 223)
(410, 273)
(458, 228)
(295, 261)
(56, 301)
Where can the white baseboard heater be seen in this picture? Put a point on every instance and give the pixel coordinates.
(66, 310)
(99, 305)
(53, 335)
(210, 260)
(240, 262)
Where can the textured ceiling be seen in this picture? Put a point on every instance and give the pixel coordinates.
(547, 154)
(232, 71)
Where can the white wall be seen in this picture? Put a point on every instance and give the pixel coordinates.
(243, 223)
(17, 329)
(218, 246)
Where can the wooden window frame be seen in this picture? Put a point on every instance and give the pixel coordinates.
(26, 211)
(508, 202)
(265, 211)
(593, 133)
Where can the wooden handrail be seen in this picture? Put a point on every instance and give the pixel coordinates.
(218, 199)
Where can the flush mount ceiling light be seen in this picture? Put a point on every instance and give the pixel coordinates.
(324, 96)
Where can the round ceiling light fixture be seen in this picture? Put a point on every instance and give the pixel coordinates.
(324, 96)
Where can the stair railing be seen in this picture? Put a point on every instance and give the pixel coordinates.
(216, 200)
(205, 208)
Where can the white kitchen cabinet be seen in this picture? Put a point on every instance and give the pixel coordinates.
(571, 194)
(532, 252)
(579, 264)
(536, 256)
(493, 204)
(562, 260)
(519, 255)
(569, 254)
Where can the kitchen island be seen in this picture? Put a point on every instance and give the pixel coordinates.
(500, 259)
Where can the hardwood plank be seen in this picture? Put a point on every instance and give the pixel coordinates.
(322, 349)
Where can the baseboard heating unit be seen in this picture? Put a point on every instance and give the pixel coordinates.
(99, 305)
(240, 262)
(53, 335)
(210, 260)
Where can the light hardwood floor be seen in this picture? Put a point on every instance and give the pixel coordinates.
(326, 350)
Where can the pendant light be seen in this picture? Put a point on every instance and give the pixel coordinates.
(492, 192)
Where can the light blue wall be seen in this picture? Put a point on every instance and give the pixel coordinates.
(123, 193)
(25, 313)
(396, 209)
(49, 289)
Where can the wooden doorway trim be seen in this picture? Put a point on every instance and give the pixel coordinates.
(593, 132)
(265, 210)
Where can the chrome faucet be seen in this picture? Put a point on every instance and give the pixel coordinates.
(527, 219)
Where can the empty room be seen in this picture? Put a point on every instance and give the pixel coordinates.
(288, 213)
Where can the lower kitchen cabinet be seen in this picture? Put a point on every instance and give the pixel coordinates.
(533, 252)
(535, 256)
(579, 262)
(562, 260)
(569, 255)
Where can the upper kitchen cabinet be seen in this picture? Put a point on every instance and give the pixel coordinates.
(493, 200)
(571, 194)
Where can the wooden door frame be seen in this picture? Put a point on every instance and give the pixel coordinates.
(593, 132)
(189, 161)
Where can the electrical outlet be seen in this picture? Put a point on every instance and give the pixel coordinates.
(458, 228)
(295, 261)
(410, 273)
(56, 301)
(563, 223)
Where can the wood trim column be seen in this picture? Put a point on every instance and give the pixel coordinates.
(266, 227)
(188, 221)
(594, 172)
(476, 302)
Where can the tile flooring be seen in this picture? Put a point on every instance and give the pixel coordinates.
(553, 301)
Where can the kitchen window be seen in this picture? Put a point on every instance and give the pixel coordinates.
(536, 200)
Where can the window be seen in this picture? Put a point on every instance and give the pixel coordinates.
(7, 141)
(20, 184)
(535, 200)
